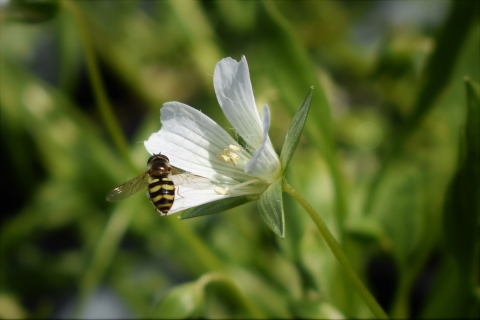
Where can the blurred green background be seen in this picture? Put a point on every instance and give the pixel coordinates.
(389, 158)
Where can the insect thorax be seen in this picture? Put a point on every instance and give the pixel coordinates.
(159, 166)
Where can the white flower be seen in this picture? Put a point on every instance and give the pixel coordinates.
(195, 143)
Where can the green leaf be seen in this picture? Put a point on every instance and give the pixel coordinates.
(367, 230)
(399, 210)
(295, 130)
(461, 216)
(447, 50)
(315, 308)
(271, 208)
(184, 301)
(462, 210)
(261, 290)
(216, 206)
(194, 299)
(31, 11)
(437, 75)
(449, 298)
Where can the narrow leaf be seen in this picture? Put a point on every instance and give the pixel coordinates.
(447, 50)
(271, 208)
(437, 75)
(295, 130)
(455, 294)
(462, 209)
(399, 212)
(216, 207)
(184, 301)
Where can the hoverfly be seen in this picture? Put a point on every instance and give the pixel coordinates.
(161, 179)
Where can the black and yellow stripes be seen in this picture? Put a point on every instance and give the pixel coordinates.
(161, 191)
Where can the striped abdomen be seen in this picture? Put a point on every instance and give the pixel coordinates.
(161, 192)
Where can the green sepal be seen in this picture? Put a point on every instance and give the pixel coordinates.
(216, 206)
(271, 208)
(295, 130)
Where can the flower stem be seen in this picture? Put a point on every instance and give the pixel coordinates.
(338, 253)
(104, 107)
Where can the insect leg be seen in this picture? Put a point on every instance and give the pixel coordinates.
(177, 189)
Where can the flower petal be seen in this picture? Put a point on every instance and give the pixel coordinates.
(264, 162)
(192, 141)
(231, 80)
(188, 198)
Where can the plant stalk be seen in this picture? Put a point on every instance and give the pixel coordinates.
(338, 253)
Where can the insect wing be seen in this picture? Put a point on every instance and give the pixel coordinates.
(190, 180)
(128, 188)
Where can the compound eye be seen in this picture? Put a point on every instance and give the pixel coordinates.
(150, 159)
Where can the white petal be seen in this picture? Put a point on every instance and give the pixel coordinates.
(186, 198)
(189, 198)
(231, 80)
(192, 141)
(264, 162)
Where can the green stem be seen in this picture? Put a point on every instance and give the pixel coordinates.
(254, 311)
(104, 107)
(338, 253)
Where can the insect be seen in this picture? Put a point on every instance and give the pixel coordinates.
(161, 179)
